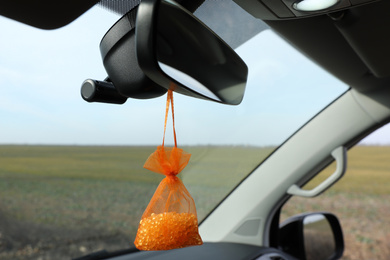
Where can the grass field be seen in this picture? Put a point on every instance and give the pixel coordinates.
(60, 200)
(56, 198)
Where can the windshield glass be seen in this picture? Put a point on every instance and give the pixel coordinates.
(71, 172)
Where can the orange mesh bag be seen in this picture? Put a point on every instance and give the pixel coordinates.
(170, 219)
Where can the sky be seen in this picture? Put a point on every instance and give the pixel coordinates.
(41, 73)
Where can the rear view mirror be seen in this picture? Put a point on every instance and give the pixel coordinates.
(313, 236)
(162, 46)
(177, 50)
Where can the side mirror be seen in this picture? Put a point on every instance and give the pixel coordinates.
(312, 236)
(162, 46)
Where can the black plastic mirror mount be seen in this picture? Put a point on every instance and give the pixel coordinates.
(119, 55)
(296, 236)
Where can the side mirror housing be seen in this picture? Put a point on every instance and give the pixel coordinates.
(312, 236)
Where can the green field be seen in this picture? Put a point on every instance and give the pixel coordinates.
(82, 195)
(71, 200)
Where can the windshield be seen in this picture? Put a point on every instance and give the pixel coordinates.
(71, 175)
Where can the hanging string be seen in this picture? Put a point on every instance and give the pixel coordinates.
(169, 102)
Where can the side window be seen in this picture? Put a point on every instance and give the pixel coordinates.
(360, 200)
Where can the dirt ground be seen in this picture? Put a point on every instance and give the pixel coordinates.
(25, 241)
(364, 238)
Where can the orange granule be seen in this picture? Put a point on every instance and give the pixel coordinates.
(168, 230)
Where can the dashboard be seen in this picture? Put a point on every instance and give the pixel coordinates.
(226, 251)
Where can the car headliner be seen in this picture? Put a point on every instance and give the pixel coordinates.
(351, 48)
(49, 14)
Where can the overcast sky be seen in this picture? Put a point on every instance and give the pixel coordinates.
(41, 73)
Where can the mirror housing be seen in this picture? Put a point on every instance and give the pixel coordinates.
(177, 51)
(118, 51)
(312, 236)
(160, 45)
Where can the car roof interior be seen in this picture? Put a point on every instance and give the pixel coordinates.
(349, 41)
